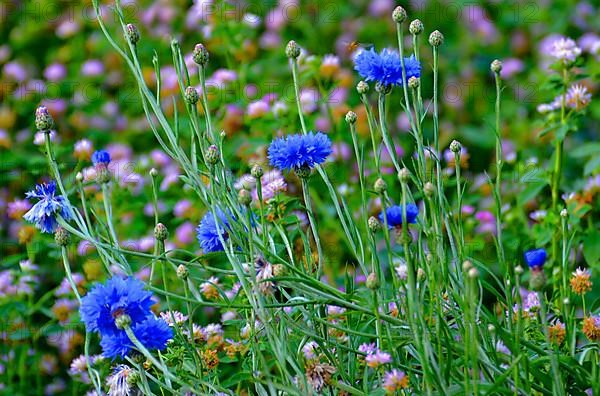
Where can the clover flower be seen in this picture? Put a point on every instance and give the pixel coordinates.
(565, 50)
(208, 234)
(557, 333)
(319, 374)
(394, 215)
(385, 67)
(535, 258)
(578, 97)
(394, 381)
(580, 281)
(378, 358)
(299, 152)
(591, 327)
(310, 350)
(43, 213)
(106, 303)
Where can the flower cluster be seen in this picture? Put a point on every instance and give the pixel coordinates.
(125, 300)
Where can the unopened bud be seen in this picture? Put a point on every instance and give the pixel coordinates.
(496, 66)
(351, 117)
(292, 50)
(518, 270)
(244, 197)
(191, 95)
(200, 55)
(62, 237)
(79, 177)
(362, 87)
(160, 232)
(455, 146)
(421, 274)
(429, 189)
(473, 273)
(413, 82)
(399, 14)
(182, 272)
(436, 38)
(380, 186)
(43, 119)
(212, 154)
(257, 171)
(153, 172)
(383, 89)
(416, 27)
(372, 281)
(404, 175)
(132, 33)
(564, 213)
(374, 224)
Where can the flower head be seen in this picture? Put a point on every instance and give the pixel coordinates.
(385, 67)
(117, 381)
(565, 50)
(394, 215)
(557, 333)
(591, 328)
(580, 281)
(43, 213)
(378, 358)
(535, 258)
(394, 380)
(106, 303)
(208, 233)
(578, 97)
(101, 157)
(296, 152)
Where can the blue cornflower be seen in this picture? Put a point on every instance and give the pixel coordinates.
(101, 157)
(152, 333)
(43, 213)
(394, 215)
(385, 67)
(123, 296)
(298, 152)
(207, 233)
(535, 258)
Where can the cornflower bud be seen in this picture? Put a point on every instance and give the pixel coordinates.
(436, 38)
(372, 281)
(455, 146)
(43, 119)
(160, 232)
(416, 27)
(132, 33)
(62, 237)
(351, 117)
(200, 55)
(362, 87)
(212, 154)
(191, 95)
(182, 272)
(496, 66)
(292, 50)
(257, 171)
(380, 186)
(399, 14)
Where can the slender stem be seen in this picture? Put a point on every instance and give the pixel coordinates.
(108, 213)
(558, 158)
(313, 225)
(297, 94)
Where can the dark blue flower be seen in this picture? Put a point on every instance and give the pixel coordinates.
(122, 296)
(43, 213)
(295, 152)
(207, 233)
(152, 333)
(385, 67)
(535, 258)
(101, 157)
(394, 215)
